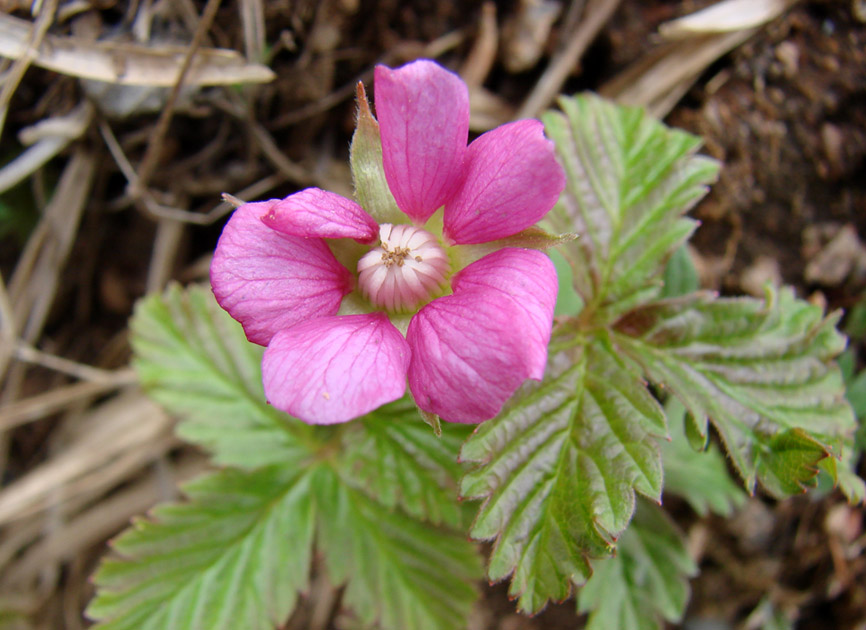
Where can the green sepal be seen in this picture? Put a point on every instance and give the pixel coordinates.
(531, 238)
(368, 170)
(432, 420)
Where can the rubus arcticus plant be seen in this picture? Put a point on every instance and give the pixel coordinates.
(568, 391)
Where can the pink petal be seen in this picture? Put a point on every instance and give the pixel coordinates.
(269, 281)
(423, 113)
(527, 278)
(512, 181)
(334, 369)
(320, 214)
(470, 352)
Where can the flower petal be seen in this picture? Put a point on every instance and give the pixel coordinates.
(269, 281)
(527, 278)
(469, 354)
(512, 181)
(423, 113)
(316, 213)
(334, 369)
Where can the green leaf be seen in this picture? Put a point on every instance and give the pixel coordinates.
(762, 371)
(646, 582)
(856, 394)
(398, 571)
(847, 364)
(630, 180)
(855, 324)
(235, 556)
(790, 463)
(680, 277)
(848, 482)
(701, 478)
(851, 485)
(399, 461)
(195, 360)
(559, 469)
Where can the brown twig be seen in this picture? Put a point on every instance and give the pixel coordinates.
(560, 66)
(152, 153)
(434, 49)
(16, 72)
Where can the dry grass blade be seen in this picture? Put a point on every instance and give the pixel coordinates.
(95, 524)
(8, 328)
(729, 15)
(48, 138)
(479, 61)
(128, 64)
(30, 40)
(561, 65)
(660, 79)
(41, 405)
(253, 23)
(33, 285)
(121, 435)
(29, 354)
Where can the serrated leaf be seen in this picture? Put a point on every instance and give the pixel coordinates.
(397, 460)
(788, 462)
(630, 180)
(855, 325)
(849, 484)
(761, 371)
(701, 478)
(558, 472)
(697, 432)
(680, 276)
(235, 556)
(195, 360)
(399, 572)
(646, 582)
(855, 392)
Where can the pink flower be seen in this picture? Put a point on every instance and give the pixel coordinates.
(471, 333)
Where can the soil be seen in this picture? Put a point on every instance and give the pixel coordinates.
(785, 112)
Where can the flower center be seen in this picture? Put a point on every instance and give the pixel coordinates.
(407, 268)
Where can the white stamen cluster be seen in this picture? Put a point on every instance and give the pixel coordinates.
(407, 268)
